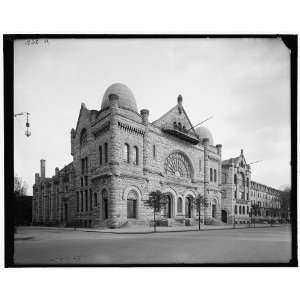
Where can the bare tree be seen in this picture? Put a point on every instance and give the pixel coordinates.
(157, 201)
(20, 186)
(198, 202)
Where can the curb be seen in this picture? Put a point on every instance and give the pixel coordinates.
(23, 238)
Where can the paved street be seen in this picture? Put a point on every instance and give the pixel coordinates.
(56, 246)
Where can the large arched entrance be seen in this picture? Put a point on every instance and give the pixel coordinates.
(132, 205)
(224, 216)
(189, 207)
(168, 209)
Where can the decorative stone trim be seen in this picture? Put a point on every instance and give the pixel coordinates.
(130, 129)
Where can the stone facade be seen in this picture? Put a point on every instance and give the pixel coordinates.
(266, 202)
(119, 157)
(236, 179)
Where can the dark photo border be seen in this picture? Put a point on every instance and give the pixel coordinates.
(291, 41)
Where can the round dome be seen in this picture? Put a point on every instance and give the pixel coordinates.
(204, 133)
(126, 97)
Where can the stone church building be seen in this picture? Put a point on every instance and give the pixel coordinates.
(120, 157)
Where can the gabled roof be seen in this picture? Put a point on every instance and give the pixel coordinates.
(175, 113)
(235, 160)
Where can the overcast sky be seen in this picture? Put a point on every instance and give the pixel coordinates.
(243, 83)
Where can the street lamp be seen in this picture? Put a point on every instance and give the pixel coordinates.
(27, 132)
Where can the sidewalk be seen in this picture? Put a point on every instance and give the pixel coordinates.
(140, 229)
(22, 237)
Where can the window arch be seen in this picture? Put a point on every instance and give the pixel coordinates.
(126, 153)
(83, 137)
(105, 153)
(136, 155)
(177, 164)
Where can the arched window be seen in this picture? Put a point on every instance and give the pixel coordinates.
(131, 204)
(100, 155)
(175, 125)
(179, 205)
(235, 179)
(243, 178)
(179, 126)
(243, 210)
(105, 204)
(136, 155)
(215, 175)
(177, 164)
(105, 153)
(210, 174)
(95, 200)
(240, 210)
(126, 153)
(83, 137)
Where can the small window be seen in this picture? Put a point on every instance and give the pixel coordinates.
(100, 155)
(86, 201)
(91, 200)
(95, 200)
(126, 153)
(77, 201)
(86, 165)
(105, 153)
(82, 166)
(83, 137)
(81, 200)
(136, 155)
(179, 205)
(175, 125)
(179, 126)
(154, 151)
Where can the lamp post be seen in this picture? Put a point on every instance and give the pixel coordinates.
(27, 132)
